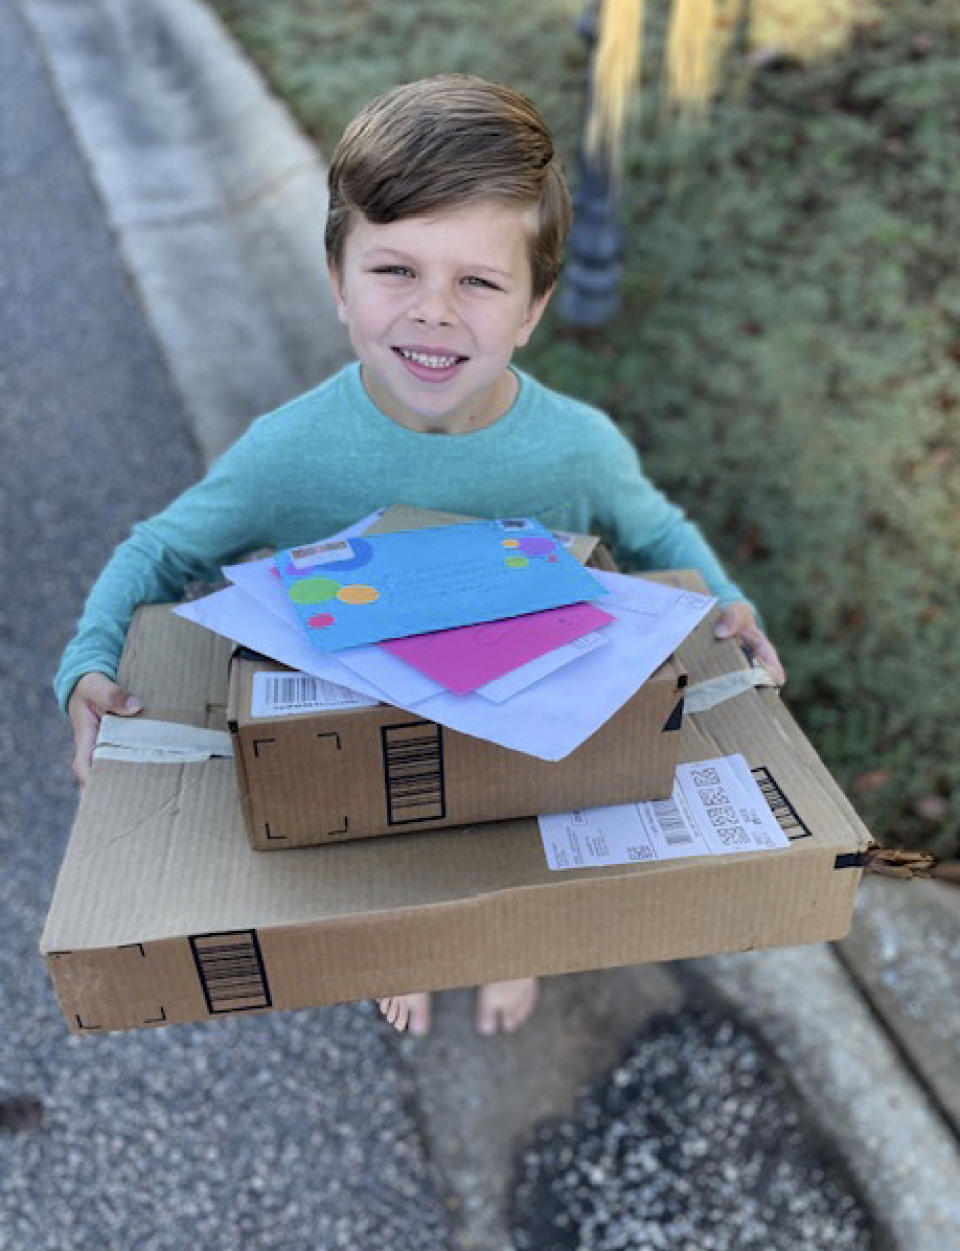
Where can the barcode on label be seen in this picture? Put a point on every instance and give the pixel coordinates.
(781, 807)
(671, 822)
(283, 690)
(413, 772)
(734, 836)
(640, 851)
(231, 971)
(276, 694)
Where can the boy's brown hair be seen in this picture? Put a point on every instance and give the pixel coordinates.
(439, 143)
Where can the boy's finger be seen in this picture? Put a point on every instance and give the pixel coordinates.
(85, 737)
(726, 625)
(94, 695)
(766, 653)
(107, 696)
(123, 704)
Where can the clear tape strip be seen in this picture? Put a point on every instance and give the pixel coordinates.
(144, 741)
(712, 691)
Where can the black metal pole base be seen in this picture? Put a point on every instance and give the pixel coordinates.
(589, 294)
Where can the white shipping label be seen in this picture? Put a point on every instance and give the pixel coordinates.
(716, 809)
(281, 694)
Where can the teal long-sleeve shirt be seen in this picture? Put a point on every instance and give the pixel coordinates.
(331, 456)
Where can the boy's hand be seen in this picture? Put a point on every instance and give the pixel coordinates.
(737, 621)
(94, 695)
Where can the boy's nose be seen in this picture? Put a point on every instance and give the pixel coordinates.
(433, 307)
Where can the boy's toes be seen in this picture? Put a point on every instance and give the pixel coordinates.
(395, 1011)
(506, 1005)
(407, 1010)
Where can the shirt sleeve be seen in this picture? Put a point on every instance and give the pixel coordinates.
(221, 518)
(648, 530)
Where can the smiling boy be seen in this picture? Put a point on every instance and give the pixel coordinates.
(447, 220)
(435, 307)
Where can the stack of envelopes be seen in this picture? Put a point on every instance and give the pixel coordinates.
(553, 681)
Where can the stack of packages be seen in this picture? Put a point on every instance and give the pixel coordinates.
(472, 686)
(446, 675)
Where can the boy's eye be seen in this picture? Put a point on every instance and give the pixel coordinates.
(400, 271)
(472, 280)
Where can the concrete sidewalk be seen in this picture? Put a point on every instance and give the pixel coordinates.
(217, 204)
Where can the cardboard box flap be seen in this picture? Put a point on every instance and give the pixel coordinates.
(179, 673)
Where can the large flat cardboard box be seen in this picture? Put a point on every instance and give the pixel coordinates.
(164, 913)
(338, 774)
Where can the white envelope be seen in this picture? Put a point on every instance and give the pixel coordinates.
(548, 720)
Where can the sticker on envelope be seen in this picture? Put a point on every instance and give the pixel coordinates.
(315, 554)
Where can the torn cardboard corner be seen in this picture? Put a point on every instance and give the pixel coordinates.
(163, 912)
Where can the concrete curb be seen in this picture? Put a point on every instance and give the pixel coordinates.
(217, 200)
(854, 1081)
(901, 952)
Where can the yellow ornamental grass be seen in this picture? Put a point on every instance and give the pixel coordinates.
(699, 34)
(805, 30)
(616, 73)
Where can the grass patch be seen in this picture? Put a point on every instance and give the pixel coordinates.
(788, 355)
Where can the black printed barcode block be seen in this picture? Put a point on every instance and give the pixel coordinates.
(231, 970)
(291, 690)
(671, 823)
(779, 805)
(413, 772)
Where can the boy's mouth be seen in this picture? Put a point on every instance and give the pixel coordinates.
(432, 365)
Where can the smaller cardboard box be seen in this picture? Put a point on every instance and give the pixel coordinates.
(164, 913)
(328, 776)
(332, 775)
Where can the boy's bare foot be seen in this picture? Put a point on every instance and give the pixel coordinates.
(408, 1010)
(505, 1006)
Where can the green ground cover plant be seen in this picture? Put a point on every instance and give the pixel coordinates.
(787, 358)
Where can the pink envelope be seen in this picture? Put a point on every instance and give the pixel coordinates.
(467, 657)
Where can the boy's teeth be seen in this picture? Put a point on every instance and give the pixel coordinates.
(431, 362)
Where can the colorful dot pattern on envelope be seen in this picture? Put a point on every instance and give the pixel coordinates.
(350, 592)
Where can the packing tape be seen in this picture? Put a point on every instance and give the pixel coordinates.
(143, 741)
(712, 691)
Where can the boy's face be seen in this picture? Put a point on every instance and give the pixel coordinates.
(435, 307)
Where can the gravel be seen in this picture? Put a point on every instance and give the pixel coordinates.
(695, 1142)
(274, 1132)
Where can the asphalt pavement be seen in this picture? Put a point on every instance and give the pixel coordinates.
(160, 228)
(296, 1131)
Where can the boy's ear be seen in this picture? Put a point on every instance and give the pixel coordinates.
(336, 286)
(529, 324)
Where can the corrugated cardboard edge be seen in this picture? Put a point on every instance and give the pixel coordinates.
(342, 959)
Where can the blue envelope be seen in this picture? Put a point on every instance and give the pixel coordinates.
(361, 590)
